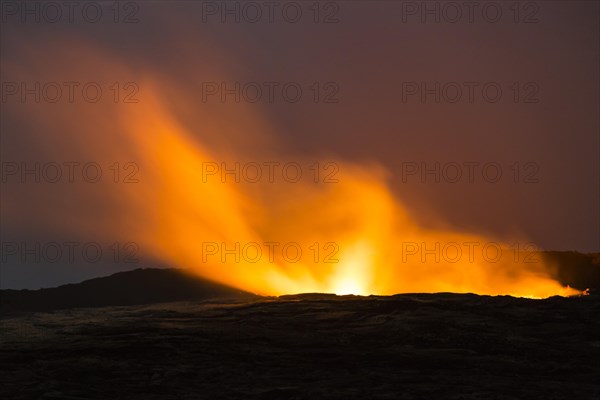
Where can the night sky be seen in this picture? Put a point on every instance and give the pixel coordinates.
(382, 85)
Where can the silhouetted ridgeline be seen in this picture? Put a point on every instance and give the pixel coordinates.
(146, 286)
(580, 271)
(141, 286)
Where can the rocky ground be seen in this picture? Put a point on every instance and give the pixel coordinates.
(439, 346)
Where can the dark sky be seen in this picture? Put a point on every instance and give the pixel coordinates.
(372, 58)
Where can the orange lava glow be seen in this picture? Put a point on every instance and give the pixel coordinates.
(355, 237)
(351, 236)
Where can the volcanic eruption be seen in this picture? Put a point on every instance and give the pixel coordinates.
(212, 191)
